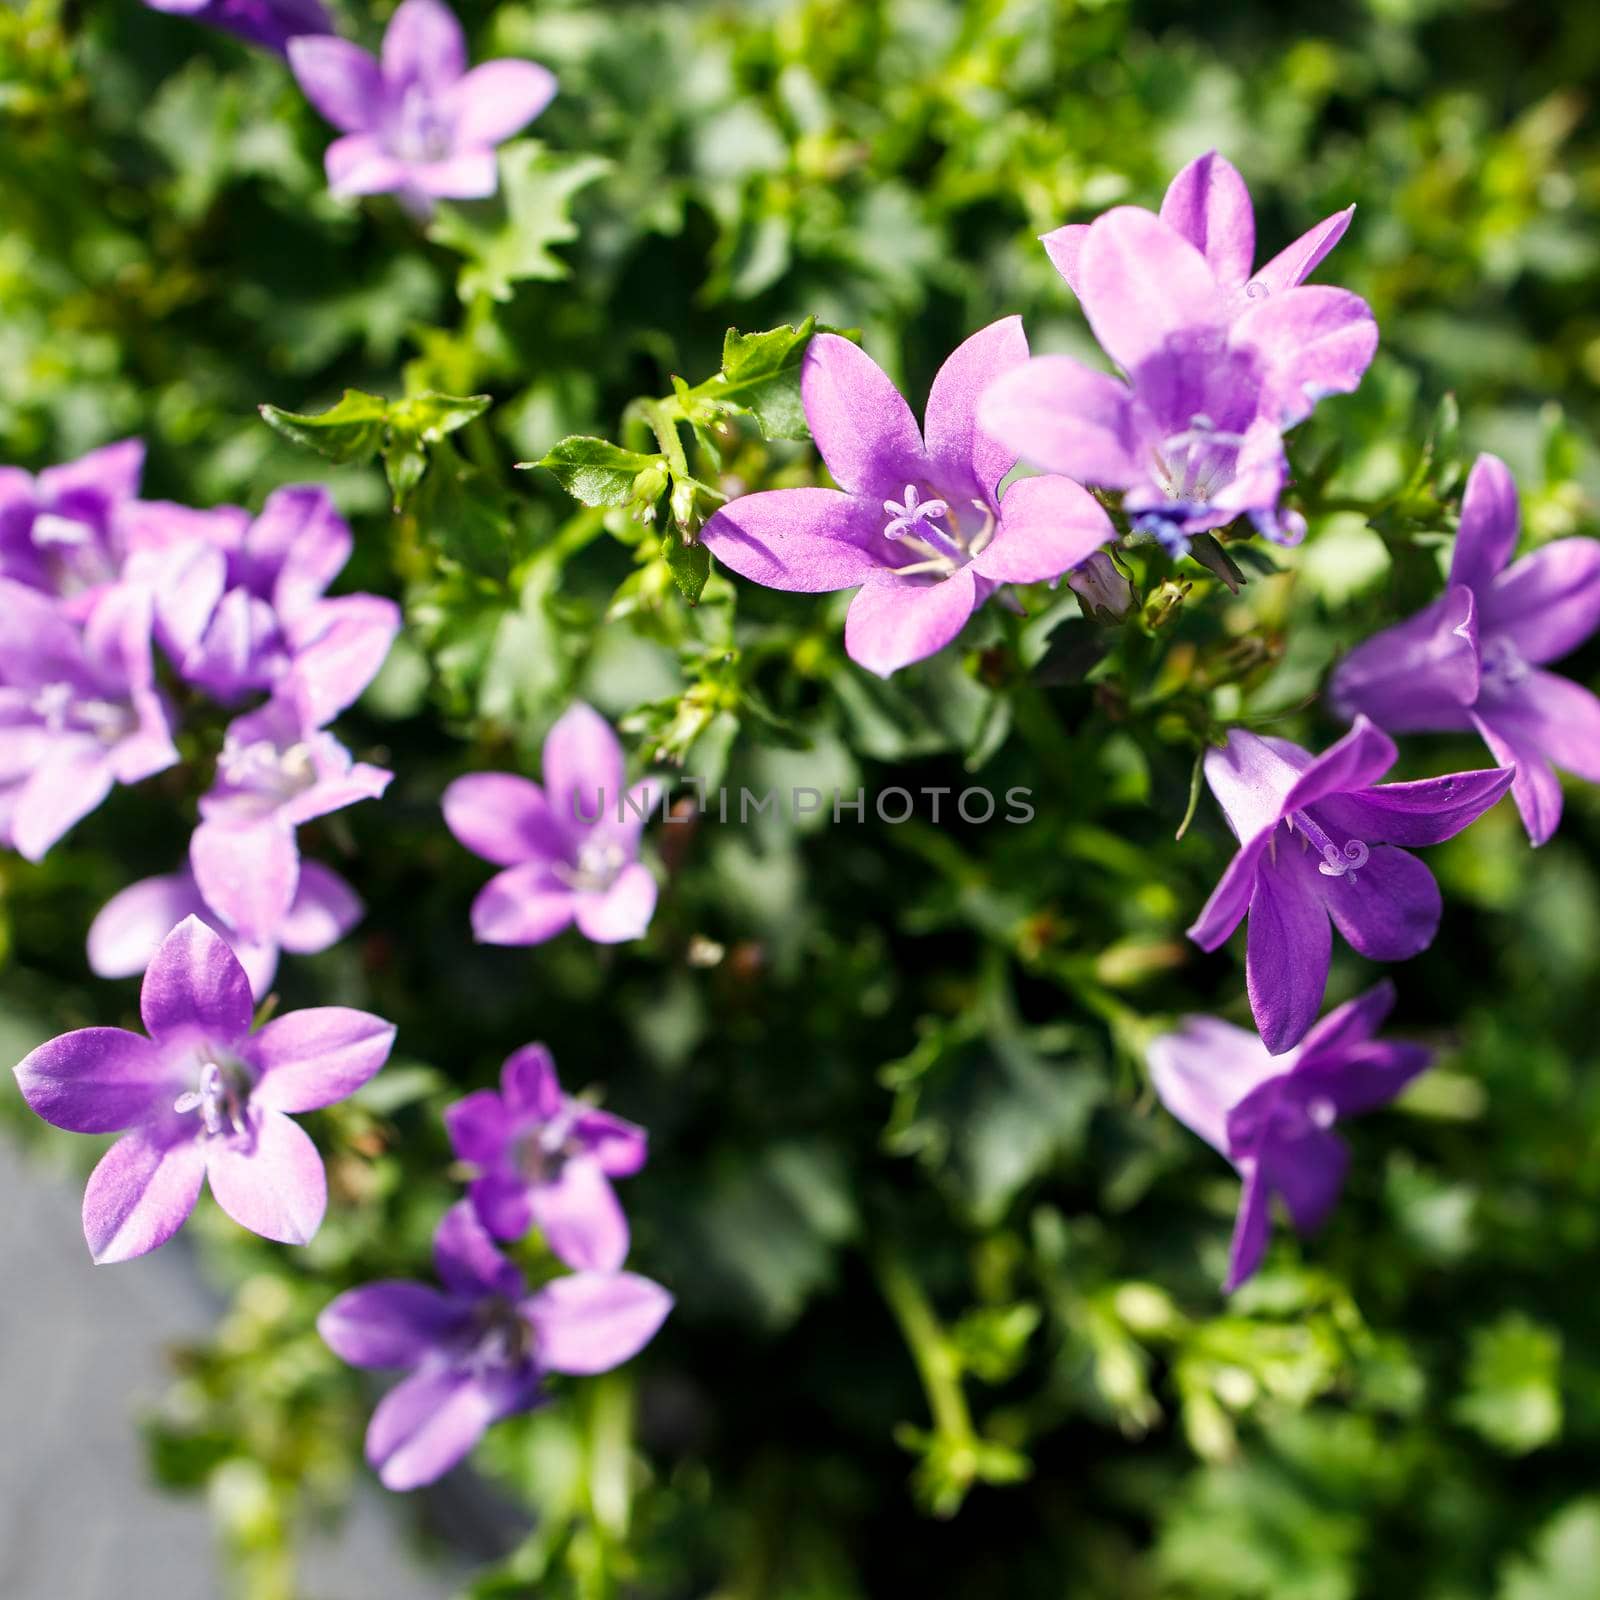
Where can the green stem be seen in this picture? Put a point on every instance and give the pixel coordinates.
(936, 1362)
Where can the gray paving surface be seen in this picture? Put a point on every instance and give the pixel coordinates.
(80, 1354)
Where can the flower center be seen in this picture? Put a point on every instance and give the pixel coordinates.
(422, 133)
(221, 1098)
(1338, 861)
(598, 865)
(261, 767)
(1191, 466)
(502, 1339)
(62, 711)
(916, 523)
(1502, 666)
(541, 1153)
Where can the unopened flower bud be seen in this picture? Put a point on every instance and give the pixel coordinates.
(1106, 594)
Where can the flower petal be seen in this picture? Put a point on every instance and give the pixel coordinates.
(1490, 520)
(1366, 1076)
(314, 1058)
(1251, 1229)
(500, 98)
(1536, 788)
(959, 450)
(522, 905)
(806, 541)
(1288, 950)
(388, 1324)
(95, 1080)
(1353, 1023)
(341, 80)
(1427, 811)
(1389, 909)
(593, 1321)
(1230, 900)
(358, 164)
(428, 1422)
(1559, 718)
(1143, 282)
(63, 790)
(622, 912)
(1356, 761)
(1047, 526)
(467, 175)
(578, 1214)
(1209, 205)
(529, 1084)
(1064, 246)
(503, 1203)
(478, 1126)
(142, 1191)
(1309, 1173)
(1548, 603)
(467, 1260)
(895, 621)
(1204, 1069)
(503, 818)
(128, 929)
(296, 547)
(339, 648)
(1251, 778)
(325, 909)
(1293, 265)
(424, 44)
(862, 425)
(1312, 342)
(248, 875)
(620, 1146)
(271, 1179)
(1064, 417)
(582, 768)
(1418, 676)
(195, 985)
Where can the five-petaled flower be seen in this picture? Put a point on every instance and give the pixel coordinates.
(570, 849)
(1272, 1116)
(416, 123)
(545, 1158)
(203, 1098)
(1472, 659)
(918, 520)
(479, 1349)
(1218, 364)
(1317, 845)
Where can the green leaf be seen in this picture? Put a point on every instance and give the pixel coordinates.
(353, 430)
(761, 375)
(688, 562)
(508, 241)
(1513, 1396)
(595, 471)
(466, 516)
(1565, 1559)
(429, 416)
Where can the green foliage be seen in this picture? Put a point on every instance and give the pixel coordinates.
(948, 1312)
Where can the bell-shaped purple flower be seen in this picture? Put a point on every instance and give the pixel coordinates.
(918, 520)
(570, 848)
(543, 1158)
(79, 711)
(1472, 659)
(268, 23)
(203, 1098)
(479, 1349)
(240, 601)
(134, 923)
(279, 768)
(416, 123)
(1272, 1116)
(1194, 435)
(1319, 848)
(60, 532)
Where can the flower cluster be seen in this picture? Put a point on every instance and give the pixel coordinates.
(97, 588)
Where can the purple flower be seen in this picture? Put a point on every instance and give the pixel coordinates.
(417, 124)
(1194, 437)
(59, 532)
(1317, 838)
(279, 768)
(79, 711)
(917, 520)
(544, 1158)
(268, 23)
(1471, 660)
(238, 602)
(1272, 1116)
(202, 1097)
(478, 1351)
(1209, 205)
(132, 925)
(570, 848)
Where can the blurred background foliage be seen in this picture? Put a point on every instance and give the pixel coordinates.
(948, 1311)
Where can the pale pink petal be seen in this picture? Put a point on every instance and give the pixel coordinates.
(499, 98)
(622, 912)
(1312, 342)
(313, 1058)
(1209, 205)
(142, 1191)
(248, 875)
(424, 44)
(807, 541)
(1065, 417)
(582, 768)
(1292, 266)
(578, 1214)
(359, 164)
(862, 426)
(60, 793)
(895, 621)
(130, 926)
(593, 1321)
(325, 909)
(1047, 526)
(503, 818)
(522, 905)
(1204, 1069)
(467, 175)
(341, 80)
(270, 1179)
(960, 451)
(1064, 246)
(96, 1080)
(195, 985)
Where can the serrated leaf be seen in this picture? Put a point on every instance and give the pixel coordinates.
(509, 241)
(596, 472)
(429, 416)
(353, 430)
(689, 563)
(761, 374)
